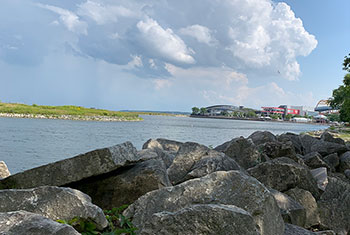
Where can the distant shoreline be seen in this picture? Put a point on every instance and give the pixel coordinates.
(71, 117)
(255, 119)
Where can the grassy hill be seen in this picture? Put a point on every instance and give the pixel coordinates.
(56, 111)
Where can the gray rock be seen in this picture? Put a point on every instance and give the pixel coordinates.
(311, 144)
(166, 156)
(75, 169)
(320, 175)
(326, 136)
(314, 160)
(334, 206)
(125, 186)
(344, 162)
(291, 211)
(261, 137)
(4, 171)
(291, 229)
(242, 150)
(277, 149)
(222, 187)
(283, 174)
(294, 138)
(347, 173)
(163, 144)
(194, 160)
(52, 202)
(332, 161)
(23, 222)
(202, 219)
(305, 198)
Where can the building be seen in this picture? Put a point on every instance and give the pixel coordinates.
(219, 109)
(284, 110)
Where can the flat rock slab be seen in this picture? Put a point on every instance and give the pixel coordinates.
(23, 222)
(320, 175)
(74, 169)
(222, 187)
(292, 212)
(52, 202)
(202, 219)
(305, 198)
(4, 171)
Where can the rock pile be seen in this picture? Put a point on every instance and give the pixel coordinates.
(263, 184)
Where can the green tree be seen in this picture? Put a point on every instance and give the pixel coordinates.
(341, 95)
(203, 111)
(346, 63)
(195, 110)
(251, 114)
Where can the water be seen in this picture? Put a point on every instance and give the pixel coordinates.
(28, 143)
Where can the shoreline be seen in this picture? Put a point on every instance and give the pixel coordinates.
(256, 119)
(71, 117)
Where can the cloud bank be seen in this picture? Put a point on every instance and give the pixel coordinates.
(216, 48)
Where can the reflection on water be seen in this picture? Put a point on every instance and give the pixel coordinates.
(27, 143)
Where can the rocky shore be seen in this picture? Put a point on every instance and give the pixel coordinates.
(264, 184)
(70, 117)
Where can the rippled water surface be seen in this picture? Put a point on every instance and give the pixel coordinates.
(28, 143)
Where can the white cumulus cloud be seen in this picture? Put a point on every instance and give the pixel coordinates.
(164, 41)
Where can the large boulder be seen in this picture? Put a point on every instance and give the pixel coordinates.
(294, 138)
(277, 149)
(283, 174)
(194, 160)
(166, 156)
(23, 222)
(125, 186)
(52, 202)
(222, 187)
(305, 198)
(314, 160)
(291, 211)
(74, 169)
(291, 229)
(261, 137)
(202, 219)
(326, 136)
(242, 150)
(311, 144)
(4, 171)
(344, 162)
(163, 144)
(332, 161)
(334, 206)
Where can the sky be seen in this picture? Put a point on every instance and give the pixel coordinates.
(171, 55)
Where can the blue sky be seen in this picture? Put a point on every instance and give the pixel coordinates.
(172, 55)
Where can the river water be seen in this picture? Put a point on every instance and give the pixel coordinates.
(28, 143)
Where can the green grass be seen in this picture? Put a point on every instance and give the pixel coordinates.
(14, 108)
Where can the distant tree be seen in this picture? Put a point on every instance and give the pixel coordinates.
(203, 111)
(333, 117)
(288, 116)
(341, 95)
(195, 110)
(251, 114)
